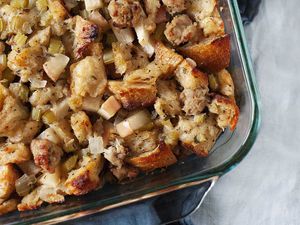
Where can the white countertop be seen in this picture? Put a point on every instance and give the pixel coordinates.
(265, 188)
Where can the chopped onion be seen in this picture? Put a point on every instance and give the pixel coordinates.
(50, 135)
(124, 36)
(134, 122)
(109, 108)
(37, 83)
(108, 57)
(25, 184)
(96, 145)
(91, 104)
(29, 168)
(56, 65)
(144, 39)
(61, 109)
(93, 4)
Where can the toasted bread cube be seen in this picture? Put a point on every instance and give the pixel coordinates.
(8, 177)
(166, 58)
(175, 6)
(167, 103)
(88, 77)
(198, 135)
(189, 76)
(225, 82)
(194, 100)
(211, 54)
(8, 206)
(86, 178)
(227, 111)
(128, 57)
(81, 126)
(26, 132)
(85, 33)
(14, 153)
(133, 96)
(161, 156)
(30, 201)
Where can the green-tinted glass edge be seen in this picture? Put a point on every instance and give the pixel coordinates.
(217, 171)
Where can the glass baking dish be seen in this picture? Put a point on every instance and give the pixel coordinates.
(229, 150)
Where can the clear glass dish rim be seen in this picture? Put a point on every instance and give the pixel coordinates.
(195, 178)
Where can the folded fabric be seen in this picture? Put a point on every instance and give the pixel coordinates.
(248, 9)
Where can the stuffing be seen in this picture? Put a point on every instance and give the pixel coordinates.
(206, 13)
(48, 94)
(85, 33)
(26, 62)
(26, 132)
(175, 6)
(133, 96)
(128, 57)
(142, 141)
(169, 134)
(14, 153)
(167, 104)
(161, 156)
(194, 101)
(81, 126)
(189, 76)
(166, 58)
(226, 110)
(42, 37)
(46, 154)
(86, 178)
(124, 172)
(211, 54)
(63, 130)
(8, 206)
(181, 30)
(147, 75)
(116, 154)
(8, 177)
(12, 115)
(198, 133)
(225, 82)
(152, 7)
(30, 201)
(125, 13)
(88, 77)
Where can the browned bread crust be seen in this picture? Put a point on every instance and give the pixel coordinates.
(211, 55)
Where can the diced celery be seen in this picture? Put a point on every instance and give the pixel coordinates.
(55, 46)
(70, 163)
(7, 77)
(213, 83)
(19, 4)
(36, 114)
(48, 117)
(23, 93)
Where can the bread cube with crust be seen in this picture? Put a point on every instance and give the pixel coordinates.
(86, 177)
(225, 82)
(81, 126)
(189, 77)
(8, 177)
(227, 111)
(85, 33)
(133, 96)
(14, 153)
(198, 133)
(166, 59)
(211, 54)
(8, 206)
(30, 201)
(159, 157)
